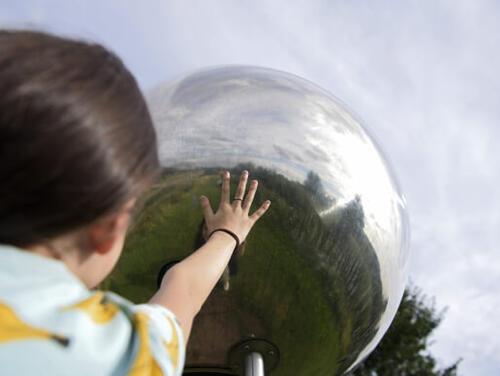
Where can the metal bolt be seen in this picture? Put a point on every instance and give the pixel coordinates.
(271, 352)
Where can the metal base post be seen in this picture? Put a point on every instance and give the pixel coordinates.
(253, 357)
(254, 364)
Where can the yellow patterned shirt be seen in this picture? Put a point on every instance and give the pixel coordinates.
(51, 324)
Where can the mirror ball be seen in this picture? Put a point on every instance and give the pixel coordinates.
(321, 274)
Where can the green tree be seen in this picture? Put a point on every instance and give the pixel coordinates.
(404, 349)
(313, 184)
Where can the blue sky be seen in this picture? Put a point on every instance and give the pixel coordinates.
(423, 75)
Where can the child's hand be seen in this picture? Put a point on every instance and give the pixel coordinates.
(233, 215)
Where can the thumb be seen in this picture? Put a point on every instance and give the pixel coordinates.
(206, 207)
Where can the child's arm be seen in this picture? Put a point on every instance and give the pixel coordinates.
(186, 285)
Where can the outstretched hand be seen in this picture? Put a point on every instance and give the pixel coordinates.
(233, 215)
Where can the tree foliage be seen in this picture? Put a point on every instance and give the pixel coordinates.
(404, 348)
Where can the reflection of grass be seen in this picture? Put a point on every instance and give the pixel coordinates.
(283, 290)
(312, 284)
(273, 283)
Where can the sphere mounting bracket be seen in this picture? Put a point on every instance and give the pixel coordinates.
(254, 357)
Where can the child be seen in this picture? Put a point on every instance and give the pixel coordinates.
(77, 148)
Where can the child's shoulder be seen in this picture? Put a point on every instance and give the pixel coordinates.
(46, 313)
(101, 329)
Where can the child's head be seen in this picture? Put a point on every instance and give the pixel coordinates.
(77, 145)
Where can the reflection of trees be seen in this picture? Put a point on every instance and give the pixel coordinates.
(338, 249)
(334, 245)
(353, 260)
(314, 186)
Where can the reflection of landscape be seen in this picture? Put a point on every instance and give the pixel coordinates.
(309, 284)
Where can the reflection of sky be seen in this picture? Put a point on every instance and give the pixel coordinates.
(225, 116)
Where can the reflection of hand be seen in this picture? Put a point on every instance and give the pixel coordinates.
(233, 216)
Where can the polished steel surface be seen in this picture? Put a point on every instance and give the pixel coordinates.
(322, 273)
(254, 365)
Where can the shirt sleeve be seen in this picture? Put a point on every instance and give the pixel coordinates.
(160, 346)
(98, 333)
(157, 345)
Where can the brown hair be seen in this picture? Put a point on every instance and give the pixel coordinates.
(76, 137)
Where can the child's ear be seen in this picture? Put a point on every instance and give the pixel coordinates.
(106, 231)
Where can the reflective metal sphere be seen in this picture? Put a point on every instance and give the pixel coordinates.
(321, 274)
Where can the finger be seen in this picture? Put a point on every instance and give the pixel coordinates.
(260, 211)
(240, 191)
(204, 230)
(224, 198)
(206, 208)
(247, 203)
